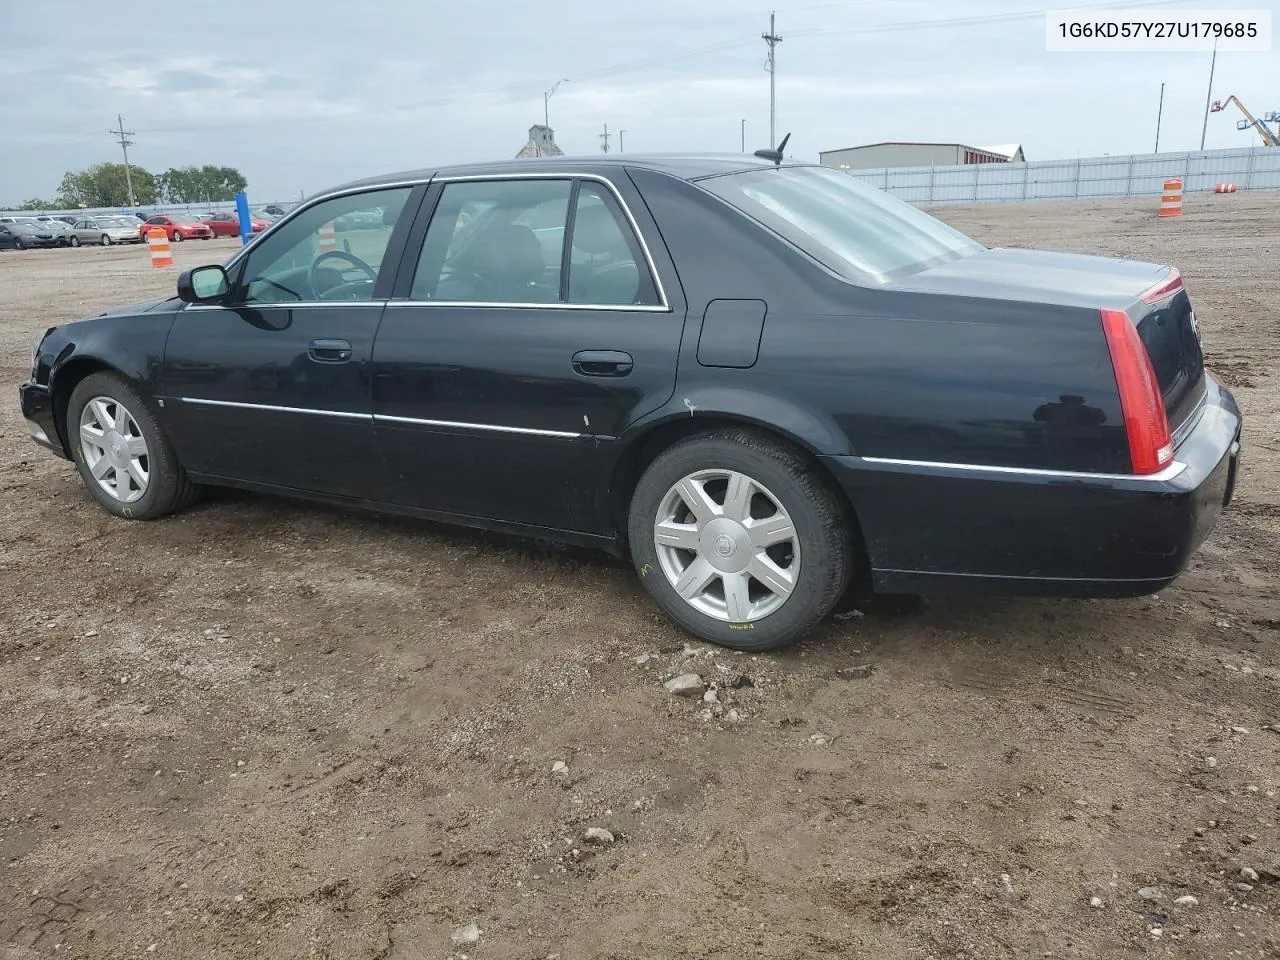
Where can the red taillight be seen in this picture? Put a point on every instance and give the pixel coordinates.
(1164, 289)
(1150, 445)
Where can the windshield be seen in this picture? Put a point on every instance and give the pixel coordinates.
(853, 229)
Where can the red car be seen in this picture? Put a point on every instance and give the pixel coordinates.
(177, 227)
(228, 224)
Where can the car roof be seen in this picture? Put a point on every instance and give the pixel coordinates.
(682, 166)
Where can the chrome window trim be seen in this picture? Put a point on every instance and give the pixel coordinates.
(1168, 473)
(375, 418)
(614, 307)
(488, 427)
(665, 304)
(286, 304)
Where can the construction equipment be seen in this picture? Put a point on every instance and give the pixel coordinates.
(1269, 139)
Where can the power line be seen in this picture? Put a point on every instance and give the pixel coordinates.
(125, 143)
(604, 139)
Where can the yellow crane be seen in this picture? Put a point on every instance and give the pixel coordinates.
(1249, 122)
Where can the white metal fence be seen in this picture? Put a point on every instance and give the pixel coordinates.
(1249, 168)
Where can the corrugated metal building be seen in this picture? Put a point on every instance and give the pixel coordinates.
(902, 154)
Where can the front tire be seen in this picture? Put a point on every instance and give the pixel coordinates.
(75, 241)
(177, 237)
(123, 456)
(106, 240)
(739, 540)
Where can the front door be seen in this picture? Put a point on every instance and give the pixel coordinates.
(272, 387)
(530, 331)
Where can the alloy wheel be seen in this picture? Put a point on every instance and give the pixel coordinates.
(114, 449)
(727, 545)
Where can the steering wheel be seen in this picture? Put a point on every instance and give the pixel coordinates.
(338, 255)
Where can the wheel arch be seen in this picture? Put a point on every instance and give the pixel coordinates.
(646, 444)
(63, 382)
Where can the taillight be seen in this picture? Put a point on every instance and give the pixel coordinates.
(1150, 444)
(1164, 289)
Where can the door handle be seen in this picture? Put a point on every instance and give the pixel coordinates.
(602, 363)
(329, 351)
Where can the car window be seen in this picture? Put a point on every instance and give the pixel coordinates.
(606, 265)
(851, 228)
(331, 251)
(495, 241)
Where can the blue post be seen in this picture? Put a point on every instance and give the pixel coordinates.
(246, 222)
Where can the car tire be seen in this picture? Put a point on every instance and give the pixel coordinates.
(19, 245)
(783, 492)
(75, 241)
(177, 237)
(106, 240)
(121, 423)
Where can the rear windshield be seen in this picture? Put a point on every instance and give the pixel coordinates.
(853, 229)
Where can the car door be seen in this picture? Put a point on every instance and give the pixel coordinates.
(510, 359)
(272, 385)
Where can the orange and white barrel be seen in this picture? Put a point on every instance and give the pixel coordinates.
(1225, 188)
(161, 254)
(326, 240)
(1171, 199)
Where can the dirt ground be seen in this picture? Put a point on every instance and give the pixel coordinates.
(269, 729)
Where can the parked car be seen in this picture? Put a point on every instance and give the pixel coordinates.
(177, 227)
(105, 230)
(62, 232)
(25, 232)
(228, 224)
(760, 381)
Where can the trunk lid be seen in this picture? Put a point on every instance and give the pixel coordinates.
(1166, 325)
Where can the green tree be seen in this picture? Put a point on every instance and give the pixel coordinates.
(38, 204)
(205, 184)
(105, 185)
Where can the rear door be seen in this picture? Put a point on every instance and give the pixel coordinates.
(530, 327)
(273, 386)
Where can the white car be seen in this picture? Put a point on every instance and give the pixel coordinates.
(105, 230)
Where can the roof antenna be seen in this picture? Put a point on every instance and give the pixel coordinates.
(774, 155)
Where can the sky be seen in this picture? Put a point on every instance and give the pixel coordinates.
(301, 95)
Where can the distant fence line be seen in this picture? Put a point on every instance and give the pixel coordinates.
(1141, 174)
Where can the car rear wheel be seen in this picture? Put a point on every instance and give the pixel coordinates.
(123, 457)
(738, 540)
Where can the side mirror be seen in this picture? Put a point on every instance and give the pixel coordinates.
(203, 284)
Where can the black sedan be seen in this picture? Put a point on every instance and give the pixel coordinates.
(24, 234)
(762, 382)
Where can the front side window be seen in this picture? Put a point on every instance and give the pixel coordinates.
(853, 229)
(503, 241)
(330, 251)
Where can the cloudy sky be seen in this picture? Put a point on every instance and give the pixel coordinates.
(304, 94)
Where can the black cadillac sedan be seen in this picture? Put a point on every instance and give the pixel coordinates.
(760, 381)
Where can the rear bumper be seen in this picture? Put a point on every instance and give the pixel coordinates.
(37, 409)
(949, 527)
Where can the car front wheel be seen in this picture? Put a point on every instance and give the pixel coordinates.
(177, 237)
(739, 540)
(123, 457)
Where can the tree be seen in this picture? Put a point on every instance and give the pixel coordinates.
(205, 184)
(105, 185)
(37, 204)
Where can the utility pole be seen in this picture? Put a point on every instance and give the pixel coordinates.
(1208, 95)
(621, 148)
(772, 39)
(1159, 113)
(125, 143)
(744, 134)
(604, 139)
(546, 101)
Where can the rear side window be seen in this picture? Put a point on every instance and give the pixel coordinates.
(853, 229)
(504, 241)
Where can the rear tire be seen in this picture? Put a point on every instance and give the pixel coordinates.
(124, 458)
(752, 585)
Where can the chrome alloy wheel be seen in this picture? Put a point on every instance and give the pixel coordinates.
(727, 545)
(114, 449)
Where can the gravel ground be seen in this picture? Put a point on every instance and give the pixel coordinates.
(271, 729)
